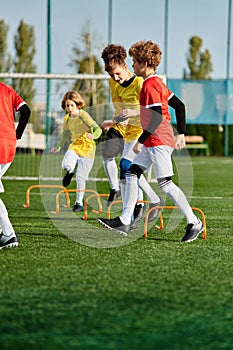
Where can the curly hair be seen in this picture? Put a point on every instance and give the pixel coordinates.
(113, 55)
(74, 96)
(146, 51)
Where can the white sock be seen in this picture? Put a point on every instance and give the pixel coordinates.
(178, 197)
(81, 185)
(131, 195)
(147, 189)
(123, 188)
(7, 228)
(140, 195)
(111, 171)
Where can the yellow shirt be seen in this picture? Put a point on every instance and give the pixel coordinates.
(124, 96)
(79, 127)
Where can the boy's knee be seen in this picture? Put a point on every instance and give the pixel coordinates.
(163, 182)
(124, 166)
(135, 170)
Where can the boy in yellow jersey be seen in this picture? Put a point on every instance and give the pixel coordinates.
(113, 146)
(81, 152)
(125, 90)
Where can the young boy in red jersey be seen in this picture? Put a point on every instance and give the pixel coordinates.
(157, 142)
(9, 102)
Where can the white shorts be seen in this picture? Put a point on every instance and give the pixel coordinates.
(71, 159)
(159, 157)
(128, 152)
(3, 169)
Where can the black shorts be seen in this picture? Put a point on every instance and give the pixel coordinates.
(114, 144)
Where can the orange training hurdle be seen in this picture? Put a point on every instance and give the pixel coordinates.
(75, 190)
(160, 227)
(93, 210)
(27, 205)
(171, 208)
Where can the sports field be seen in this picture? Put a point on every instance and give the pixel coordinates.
(151, 293)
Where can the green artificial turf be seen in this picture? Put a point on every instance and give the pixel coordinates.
(75, 291)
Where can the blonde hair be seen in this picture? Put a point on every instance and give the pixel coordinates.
(146, 52)
(74, 96)
(113, 55)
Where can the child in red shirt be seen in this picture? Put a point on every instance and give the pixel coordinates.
(10, 102)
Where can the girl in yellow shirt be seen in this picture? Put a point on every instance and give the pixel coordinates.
(82, 130)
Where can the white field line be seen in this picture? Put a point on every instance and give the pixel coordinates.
(43, 178)
(207, 197)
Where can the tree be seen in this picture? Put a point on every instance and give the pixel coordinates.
(5, 58)
(25, 51)
(200, 67)
(85, 61)
(199, 63)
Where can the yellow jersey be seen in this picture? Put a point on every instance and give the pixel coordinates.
(126, 96)
(79, 127)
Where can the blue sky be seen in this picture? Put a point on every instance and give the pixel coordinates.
(132, 20)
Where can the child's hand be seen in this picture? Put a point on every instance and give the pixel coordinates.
(179, 141)
(131, 112)
(137, 147)
(90, 136)
(106, 124)
(55, 150)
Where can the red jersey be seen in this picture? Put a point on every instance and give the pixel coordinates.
(9, 102)
(155, 93)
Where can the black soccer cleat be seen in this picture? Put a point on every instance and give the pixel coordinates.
(8, 241)
(115, 224)
(192, 231)
(154, 214)
(67, 178)
(77, 207)
(113, 196)
(138, 212)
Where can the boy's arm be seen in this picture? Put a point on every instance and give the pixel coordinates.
(179, 107)
(155, 116)
(25, 112)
